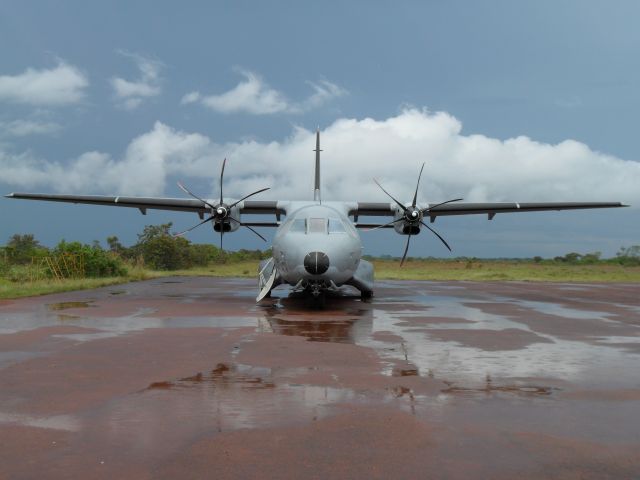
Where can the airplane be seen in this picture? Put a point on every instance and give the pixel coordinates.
(316, 247)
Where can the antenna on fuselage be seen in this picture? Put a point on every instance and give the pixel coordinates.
(316, 188)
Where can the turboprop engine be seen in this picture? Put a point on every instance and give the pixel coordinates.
(224, 216)
(409, 218)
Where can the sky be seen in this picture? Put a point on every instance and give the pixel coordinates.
(503, 101)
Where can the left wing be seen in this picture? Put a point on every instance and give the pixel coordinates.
(154, 203)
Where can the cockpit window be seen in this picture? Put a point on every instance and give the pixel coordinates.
(299, 225)
(336, 226)
(317, 225)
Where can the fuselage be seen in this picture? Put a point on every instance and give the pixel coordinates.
(317, 246)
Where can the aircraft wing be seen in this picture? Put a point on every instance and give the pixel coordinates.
(271, 207)
(490, 209)
(145, 203)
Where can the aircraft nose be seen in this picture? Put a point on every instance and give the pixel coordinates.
(316, 263)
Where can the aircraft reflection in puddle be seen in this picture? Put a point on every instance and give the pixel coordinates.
(348, 321)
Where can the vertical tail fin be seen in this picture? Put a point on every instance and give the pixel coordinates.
(316, 188)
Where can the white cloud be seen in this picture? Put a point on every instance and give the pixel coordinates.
(255, 96)
(475, 167)
(58, 86)
(191, 97)
(130, 94)
(143, 169)
(23, 128)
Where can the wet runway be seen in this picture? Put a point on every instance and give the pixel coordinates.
(189, 378)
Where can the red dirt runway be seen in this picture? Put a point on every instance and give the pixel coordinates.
(189, 378)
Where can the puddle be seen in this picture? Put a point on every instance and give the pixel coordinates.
(234, 396)
(68, 305)
(222, 375)
(490, 389)
(405, 372)
(57, 422)
(561, 310)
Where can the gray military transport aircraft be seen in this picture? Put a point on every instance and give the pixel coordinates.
(316, 248)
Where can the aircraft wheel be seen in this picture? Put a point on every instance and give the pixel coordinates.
(317, 301)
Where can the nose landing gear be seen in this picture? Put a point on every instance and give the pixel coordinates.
(317, 294)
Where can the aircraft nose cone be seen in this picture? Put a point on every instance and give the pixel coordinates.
(316, 263)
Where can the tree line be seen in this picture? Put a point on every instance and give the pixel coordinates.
(156, 249)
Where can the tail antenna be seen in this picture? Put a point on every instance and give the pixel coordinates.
(316, 188)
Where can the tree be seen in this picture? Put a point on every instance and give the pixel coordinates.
(22, 248)
(161, 250)
(153, 231)
(629, 256)
(114, 245)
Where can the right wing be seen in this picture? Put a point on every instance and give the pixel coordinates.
(385, 209)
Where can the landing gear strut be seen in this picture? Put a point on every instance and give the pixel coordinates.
(366, 295)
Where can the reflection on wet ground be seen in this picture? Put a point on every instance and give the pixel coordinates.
(66, 305)
(157, 378)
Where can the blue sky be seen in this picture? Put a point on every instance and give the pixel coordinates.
(538, 102)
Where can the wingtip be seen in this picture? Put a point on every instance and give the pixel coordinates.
(9, 195)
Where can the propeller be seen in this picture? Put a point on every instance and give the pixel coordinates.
(220, 213)
(413, 216)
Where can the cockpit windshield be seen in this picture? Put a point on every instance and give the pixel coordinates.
(299, 225)
(336, 226)
(317, 225)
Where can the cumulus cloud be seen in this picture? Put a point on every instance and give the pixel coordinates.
(143, 169)
(253, 95)
(131, 93)
(58, 86)
(23, 128)
(476, 167)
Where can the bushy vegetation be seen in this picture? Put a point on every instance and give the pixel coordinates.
(626, 256)
(158, 249)
(93, 261)
(23, 258)
(23, 261)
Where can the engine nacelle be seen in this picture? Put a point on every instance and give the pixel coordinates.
(406, 227)
(226, 219)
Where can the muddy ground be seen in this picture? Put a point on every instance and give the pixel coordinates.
(189, 378)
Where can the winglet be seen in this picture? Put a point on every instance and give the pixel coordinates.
(316, 186)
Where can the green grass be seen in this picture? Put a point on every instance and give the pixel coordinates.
(503, 270)
(26, 288)
(428, 269)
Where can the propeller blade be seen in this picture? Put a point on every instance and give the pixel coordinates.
(415, 195)
(442, 203)
(247, 196)
(188, 192)
(263, 239)
(437, 235)
(385, 225)
(195, 226)
(221, 234)
(224, 162)
(245, 225)
(406, 249)
(404, 209)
